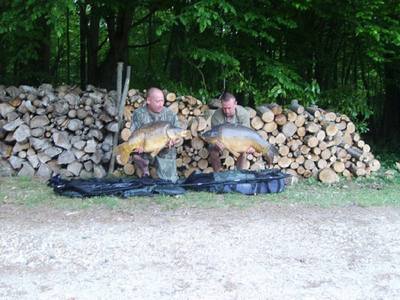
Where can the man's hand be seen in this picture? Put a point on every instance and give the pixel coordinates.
(251, 150)
(172, 143)
(139, 150)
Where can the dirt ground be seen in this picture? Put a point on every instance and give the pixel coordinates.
(269, 251)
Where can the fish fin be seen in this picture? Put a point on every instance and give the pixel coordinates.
(123, 152)
(234, 153)
(155, 153)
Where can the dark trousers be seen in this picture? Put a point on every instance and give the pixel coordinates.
(215, 160)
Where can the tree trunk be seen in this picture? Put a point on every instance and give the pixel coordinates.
(118, 31)
(92, 46)
(391, 115)
(83, 35)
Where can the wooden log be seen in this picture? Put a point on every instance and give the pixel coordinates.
(203, 153)
(202, 123)
(284, 162)
(283, 150)
(197, 143)
(280, 138)
(265, 113)
(129, 169)
(309, 164)
(280, 119)
(326, 154)
(275, 108)
(311, 141)
(256, 123)
(296, 107)
(338, 166)
(374, 165)
(252, 112)
(289, 129)
(300, 120)
(320, 135)
(229, 162)
(330, 129)
(314, 111)
(328, 176)
(347, 139)
(291, 116)
(300, 170)
(357, 170)
(194, 124)
(330, 117)
(258, 165)
(128, 110)
(355, 152)
(202, 164)
(312, 127)
(301, 132)
(174, 107)
(171, 97)
(341, 125)
(351, 128)
(322, 164)
(304, 149)
(316, 150)
(360, 144)
(270, 127)
(125, 134)
(366, 148)
(294, 165)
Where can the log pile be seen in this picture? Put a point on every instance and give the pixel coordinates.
(310, 140)
(64, 130)
(69, 131)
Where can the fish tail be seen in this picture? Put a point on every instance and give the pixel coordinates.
(270, 152)
(123, 152)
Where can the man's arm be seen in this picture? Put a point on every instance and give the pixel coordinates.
(243, 117)
(217, 118)
(136, 121)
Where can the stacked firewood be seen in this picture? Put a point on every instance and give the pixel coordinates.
(310, 140)
(47, 131)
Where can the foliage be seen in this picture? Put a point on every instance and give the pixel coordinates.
(348, 101)
(325, 52)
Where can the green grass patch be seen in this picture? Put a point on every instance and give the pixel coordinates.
(383, 188)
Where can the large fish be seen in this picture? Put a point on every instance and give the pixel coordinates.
(238, 139)
(152, 138)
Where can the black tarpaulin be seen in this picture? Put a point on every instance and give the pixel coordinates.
(244, 182)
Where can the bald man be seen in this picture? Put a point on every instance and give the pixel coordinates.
(154, 111)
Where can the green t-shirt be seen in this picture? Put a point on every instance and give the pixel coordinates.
(241, 117)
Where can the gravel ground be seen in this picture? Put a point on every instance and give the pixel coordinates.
(265, 252)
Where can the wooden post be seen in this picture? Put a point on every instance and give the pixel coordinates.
(119, 104)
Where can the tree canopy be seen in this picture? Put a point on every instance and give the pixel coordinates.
(341, 55)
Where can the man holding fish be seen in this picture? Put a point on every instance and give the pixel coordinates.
(156, 130)
(232, 113)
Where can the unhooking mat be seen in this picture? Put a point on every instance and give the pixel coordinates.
(243, 181)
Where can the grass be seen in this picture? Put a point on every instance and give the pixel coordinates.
(383, 188)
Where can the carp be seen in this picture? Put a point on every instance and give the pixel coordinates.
(152, 137)
(238, 139)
